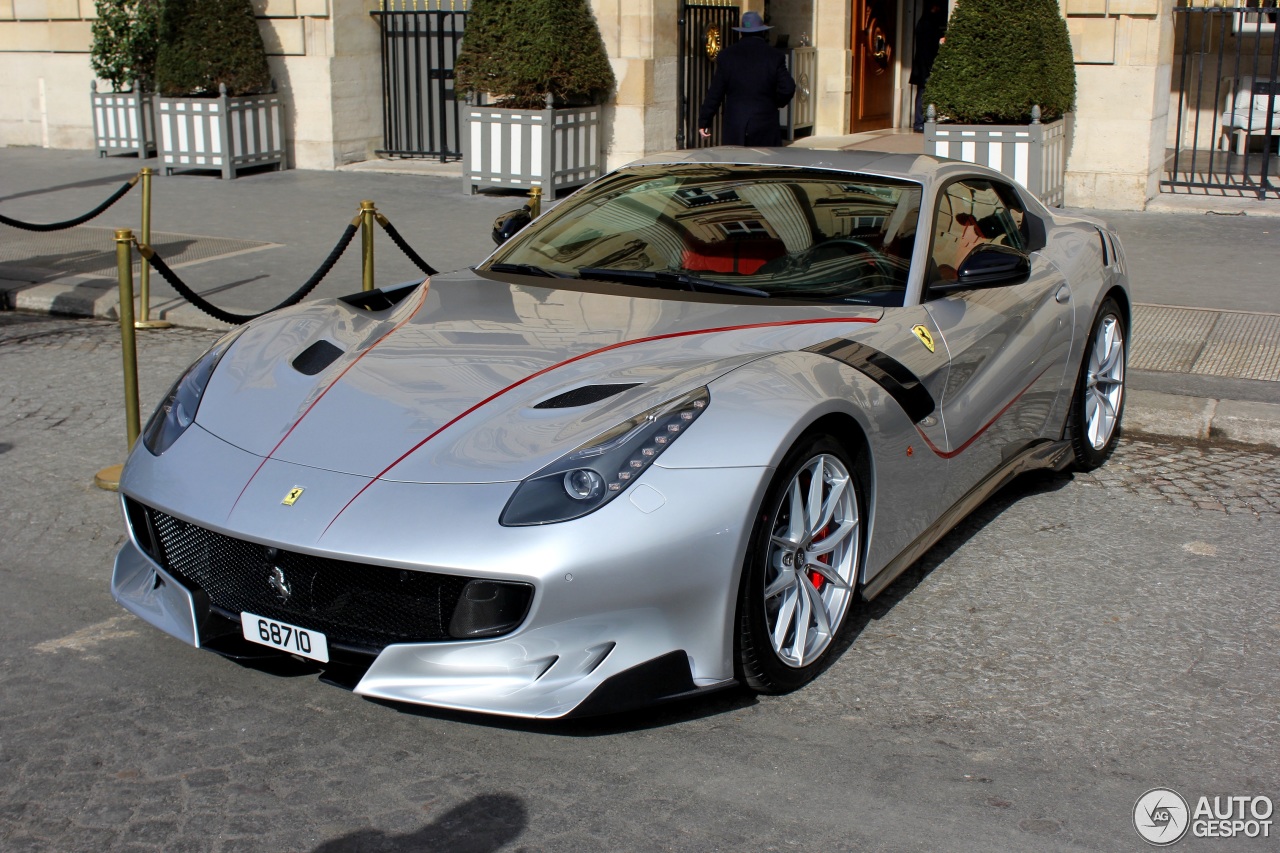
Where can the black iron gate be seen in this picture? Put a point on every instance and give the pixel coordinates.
(421, 117)
(705, 28)
(1226, 85)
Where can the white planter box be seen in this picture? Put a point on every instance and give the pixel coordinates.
(518, 149)
(227, 133)
(1034, 155)
(123, 122)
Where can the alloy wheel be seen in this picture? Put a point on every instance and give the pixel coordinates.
(812, 561)
(1104, 382)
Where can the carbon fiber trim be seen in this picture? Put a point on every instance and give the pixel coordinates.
(889, 373)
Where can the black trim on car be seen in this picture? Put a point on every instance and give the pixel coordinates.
(662, 679)
(380, 299)
(884, 370)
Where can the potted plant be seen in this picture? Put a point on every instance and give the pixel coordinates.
(217, 108)
(1002, 90)
(544, 62)
(123, 53)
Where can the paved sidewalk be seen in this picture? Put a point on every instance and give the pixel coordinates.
(1206, 339)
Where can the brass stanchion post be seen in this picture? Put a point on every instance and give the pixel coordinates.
(109, 477)
(144, 274)
(535, 202)
(367, 212)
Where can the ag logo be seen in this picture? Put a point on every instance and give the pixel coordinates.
(924, 335)
(1161, 816)
(292, 498)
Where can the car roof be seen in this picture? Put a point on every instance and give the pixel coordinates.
(925, 169)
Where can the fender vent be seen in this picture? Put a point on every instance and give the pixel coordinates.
(316, 358)
(584, 396)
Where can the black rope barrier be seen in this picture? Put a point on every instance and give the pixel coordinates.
(71, 223)
(413, 256)
(158, 264)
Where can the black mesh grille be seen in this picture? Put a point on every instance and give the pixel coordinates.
(354, 604)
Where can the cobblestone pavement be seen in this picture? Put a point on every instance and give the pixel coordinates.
(1079, 640)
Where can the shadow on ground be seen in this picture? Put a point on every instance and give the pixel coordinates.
(483, 824)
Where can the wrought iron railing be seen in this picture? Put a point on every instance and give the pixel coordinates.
(1224, 118)
(421, 114)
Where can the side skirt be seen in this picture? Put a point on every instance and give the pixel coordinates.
(1049, 454)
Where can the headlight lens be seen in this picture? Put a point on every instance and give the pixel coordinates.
(177, 410)
(597, 472)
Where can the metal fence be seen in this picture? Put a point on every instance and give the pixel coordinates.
(1225, 110)
(421, 115)
(704, 30)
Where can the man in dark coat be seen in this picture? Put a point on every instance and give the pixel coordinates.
(753, 83)
(931, 32)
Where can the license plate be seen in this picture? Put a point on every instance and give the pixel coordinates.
(281, 635)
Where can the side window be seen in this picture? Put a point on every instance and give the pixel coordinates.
(974, 213)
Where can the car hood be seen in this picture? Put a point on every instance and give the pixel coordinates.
(462, 382)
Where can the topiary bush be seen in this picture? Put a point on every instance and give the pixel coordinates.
(125, 41)
(521, 50)
(1001, 58)
(205, 43)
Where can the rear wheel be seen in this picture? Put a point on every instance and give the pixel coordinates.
(800, 578)
(1098, 404)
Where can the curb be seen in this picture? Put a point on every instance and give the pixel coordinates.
(91, 296)
(1202, 419)
(1146, 412)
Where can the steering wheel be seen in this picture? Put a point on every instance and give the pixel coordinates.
(856, 246)
(851, 245)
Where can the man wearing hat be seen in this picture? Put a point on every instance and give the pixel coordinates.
(753, 83)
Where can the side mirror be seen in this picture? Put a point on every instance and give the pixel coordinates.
(993, 265)
(509, 223)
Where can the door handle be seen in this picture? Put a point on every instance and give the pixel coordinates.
(1063, 296)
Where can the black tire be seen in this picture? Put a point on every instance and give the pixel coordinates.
(760, 664)
(1093, 441)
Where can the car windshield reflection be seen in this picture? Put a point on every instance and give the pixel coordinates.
(798, 234)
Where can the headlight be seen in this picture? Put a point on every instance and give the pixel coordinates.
(600, 470)
(177, 410)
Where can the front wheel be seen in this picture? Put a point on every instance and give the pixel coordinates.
(801, 573)
(1098, 402)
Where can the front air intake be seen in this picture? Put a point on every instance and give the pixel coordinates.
(584, 396)
(316, 358)
(358, 606)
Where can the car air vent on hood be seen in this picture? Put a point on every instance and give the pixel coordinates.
(316, 358)
(584, 396)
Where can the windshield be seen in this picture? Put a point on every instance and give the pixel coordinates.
(757, 231)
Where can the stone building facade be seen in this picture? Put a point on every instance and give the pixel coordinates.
(325, 57)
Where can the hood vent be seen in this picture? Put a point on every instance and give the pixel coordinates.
(316, 358)
(584, 396)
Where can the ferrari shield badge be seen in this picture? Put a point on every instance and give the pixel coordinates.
(296, 492)
(923, 334)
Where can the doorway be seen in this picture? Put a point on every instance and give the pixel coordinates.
(874, 39)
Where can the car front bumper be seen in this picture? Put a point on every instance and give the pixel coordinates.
(633, 603)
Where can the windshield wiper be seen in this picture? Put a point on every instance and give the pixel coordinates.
(527, 269)
(669, 280)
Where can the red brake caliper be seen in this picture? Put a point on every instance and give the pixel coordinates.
(815, 577)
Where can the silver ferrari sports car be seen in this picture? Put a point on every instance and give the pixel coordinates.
(665, 439)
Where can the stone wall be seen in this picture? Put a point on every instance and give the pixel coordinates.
(323, 55)
(1123, 52)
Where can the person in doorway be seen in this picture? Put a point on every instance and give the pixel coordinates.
(931, 32)
(753, 83)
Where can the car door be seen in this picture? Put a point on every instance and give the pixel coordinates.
(1008, 345)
